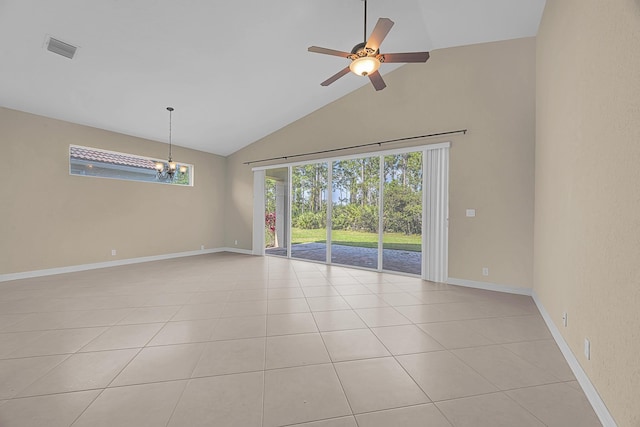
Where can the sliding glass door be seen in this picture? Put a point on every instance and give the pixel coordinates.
(385, 212)
(355, 212)
(276, 212)
(402, 213)
(309, 211)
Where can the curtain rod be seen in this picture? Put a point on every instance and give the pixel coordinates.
(408, 138)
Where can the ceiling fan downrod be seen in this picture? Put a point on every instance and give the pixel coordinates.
(365, 22)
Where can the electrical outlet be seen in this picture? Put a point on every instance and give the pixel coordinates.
(236, 243)
(564, 319)
(587, 349)
(113, 252)
(202, 247)
(485, 271)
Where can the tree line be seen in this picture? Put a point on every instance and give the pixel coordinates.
(355, 194)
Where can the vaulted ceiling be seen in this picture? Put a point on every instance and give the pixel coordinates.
(234, 71)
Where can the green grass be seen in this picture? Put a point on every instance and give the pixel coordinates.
(410, 242)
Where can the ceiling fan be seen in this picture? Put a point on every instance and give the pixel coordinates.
(366, 57)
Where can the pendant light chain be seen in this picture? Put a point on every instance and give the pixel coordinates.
(166, 172)
(170, 113)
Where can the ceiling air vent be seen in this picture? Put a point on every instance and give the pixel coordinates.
(61, 48)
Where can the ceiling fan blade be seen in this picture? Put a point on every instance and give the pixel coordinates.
(406, 57)
(326, 51)
(382, 28)
(376, 81)
(335, 77)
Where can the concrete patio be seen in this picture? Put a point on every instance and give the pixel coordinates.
(393, 259)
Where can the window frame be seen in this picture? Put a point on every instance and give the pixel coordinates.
(124, 167)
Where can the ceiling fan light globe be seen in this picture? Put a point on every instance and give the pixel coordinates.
(365, 65)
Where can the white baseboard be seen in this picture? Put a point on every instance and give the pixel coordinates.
(589, 390)
(237, 251)
(592, 395)
(83, 267)
(489, 286)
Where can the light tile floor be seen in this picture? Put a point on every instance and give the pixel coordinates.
(234, 340)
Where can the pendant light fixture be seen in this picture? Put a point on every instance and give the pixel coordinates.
(167, 171)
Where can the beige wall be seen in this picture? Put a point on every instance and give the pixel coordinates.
(487, 88)
(51, 219)
(587, 220)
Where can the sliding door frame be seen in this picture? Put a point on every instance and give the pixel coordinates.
(435, 206)
(258, 212)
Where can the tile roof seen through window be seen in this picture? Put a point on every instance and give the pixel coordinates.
(84, 153)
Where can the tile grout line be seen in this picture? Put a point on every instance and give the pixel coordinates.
(265, 287)
(344, 394)
(264, 362)
(15, 395)
(115, 376)
(68, 356)
(446, 349)
(397, 361)
(186, 381)
(521, 406)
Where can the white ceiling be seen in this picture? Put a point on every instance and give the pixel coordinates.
(235, 71)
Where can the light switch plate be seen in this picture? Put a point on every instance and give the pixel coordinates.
(587, 349)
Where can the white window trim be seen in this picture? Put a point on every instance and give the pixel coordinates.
(435, 202)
